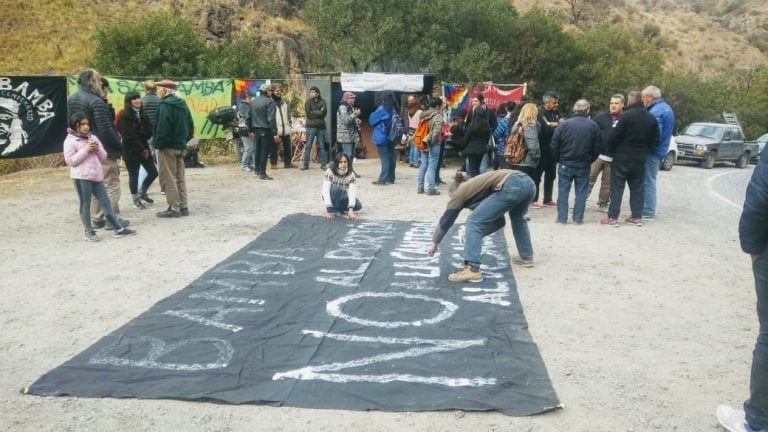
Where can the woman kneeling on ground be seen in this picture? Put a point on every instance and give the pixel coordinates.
(339, 189)
(490, 196)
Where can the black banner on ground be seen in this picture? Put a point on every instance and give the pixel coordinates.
(33, 116)
(335, 315)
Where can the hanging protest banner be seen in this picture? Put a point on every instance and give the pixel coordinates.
(458, 96)
(251, 86)
(340, 316)
(201, 96)
(33, 116)
(368, 81)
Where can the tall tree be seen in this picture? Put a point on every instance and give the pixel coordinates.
(457, 40)
(159, 45)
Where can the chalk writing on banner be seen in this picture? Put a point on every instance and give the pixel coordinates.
(356, 312)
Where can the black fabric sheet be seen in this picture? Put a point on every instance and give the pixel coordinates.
(33, 116)
(325, 314)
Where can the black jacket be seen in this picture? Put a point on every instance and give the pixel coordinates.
(136, 131)
(546, 132)
(753, 225)
(576, 141)
(98, 113)
(635, 133)
(605, 123)
(478, 126)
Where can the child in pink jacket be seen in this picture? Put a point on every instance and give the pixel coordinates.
(83, 153)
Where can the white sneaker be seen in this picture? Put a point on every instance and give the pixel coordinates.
(731, 419)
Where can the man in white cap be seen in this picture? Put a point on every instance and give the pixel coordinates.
(174, 127)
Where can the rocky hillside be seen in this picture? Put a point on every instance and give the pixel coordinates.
(698, 36)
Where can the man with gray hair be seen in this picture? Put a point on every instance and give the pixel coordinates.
(666, 119)
(630, 139)
(575, 144)
(549, 119)
(88, 100)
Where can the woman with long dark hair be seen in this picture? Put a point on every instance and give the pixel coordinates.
(135, 128)
(339, 188)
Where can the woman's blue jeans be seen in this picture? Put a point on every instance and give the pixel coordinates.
(514, 198)
(429, 160)
(388, 161)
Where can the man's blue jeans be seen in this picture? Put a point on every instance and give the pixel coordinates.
(322, 150)
(756, 407)
(579, 177)
(652, 163)
(247, 152)
(427, 169)
(413, 154)
(387, 158)
(513, 198)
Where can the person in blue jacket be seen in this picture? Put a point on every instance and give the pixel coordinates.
(753, 234)
(656, 105)
(380, 121)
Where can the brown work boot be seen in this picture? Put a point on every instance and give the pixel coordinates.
(466, 275)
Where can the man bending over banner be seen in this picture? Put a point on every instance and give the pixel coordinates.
(490, 196)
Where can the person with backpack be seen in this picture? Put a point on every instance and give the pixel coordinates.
(426, 138)
(528, 126)
(479, 124)
(413, 106)
(381, 122)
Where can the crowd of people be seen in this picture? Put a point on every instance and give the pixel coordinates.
(508, 155)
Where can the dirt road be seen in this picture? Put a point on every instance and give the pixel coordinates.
(641, 329)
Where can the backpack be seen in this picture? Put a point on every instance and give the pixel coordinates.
(420, 136)
(514, 147)
(396, 128)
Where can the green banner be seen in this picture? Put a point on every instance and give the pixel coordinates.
(202, 97)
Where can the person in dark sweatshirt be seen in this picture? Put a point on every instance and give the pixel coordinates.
(575, 144)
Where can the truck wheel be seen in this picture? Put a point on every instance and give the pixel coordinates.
(743, 161)
(709, 161)
(668, 162)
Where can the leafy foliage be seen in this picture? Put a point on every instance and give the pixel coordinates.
(159, 45)
(240, 59)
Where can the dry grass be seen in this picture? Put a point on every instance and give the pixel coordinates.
(35, 182)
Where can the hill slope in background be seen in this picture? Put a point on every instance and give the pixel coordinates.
(703, 37)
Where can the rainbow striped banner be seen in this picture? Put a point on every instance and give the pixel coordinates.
(458, 95)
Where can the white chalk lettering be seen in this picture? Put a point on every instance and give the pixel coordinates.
(437, 346)
(254, 268)
(334, 308)
(158, 348)
(416, 285)
(498, 295)
(229, 285)
(197, 315)
(350, 280)
(348, 254)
